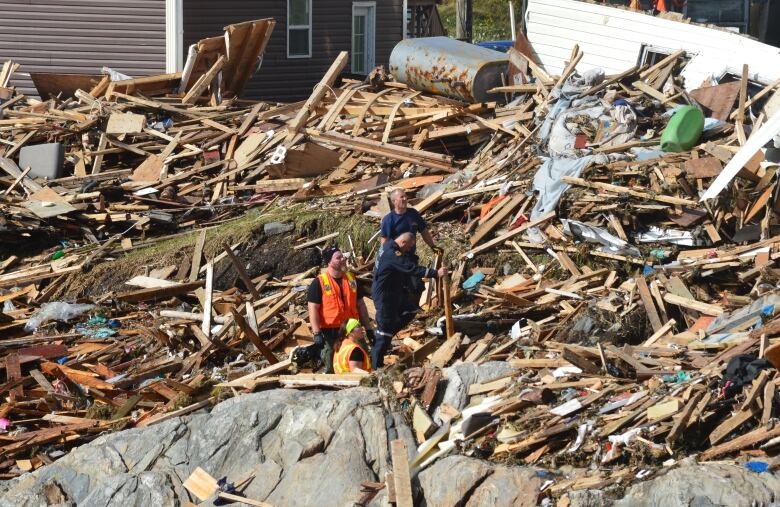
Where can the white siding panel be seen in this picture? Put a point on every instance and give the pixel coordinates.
(612, 38)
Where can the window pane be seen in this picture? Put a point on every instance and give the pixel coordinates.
(299, 41)
(299, 12)
(359, 25)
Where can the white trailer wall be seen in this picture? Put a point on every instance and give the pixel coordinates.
(612, 38)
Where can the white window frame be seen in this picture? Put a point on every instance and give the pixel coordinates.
(174, 35)
(289, 27)
(370, 29)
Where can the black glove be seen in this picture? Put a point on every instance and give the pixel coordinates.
(370, 335)
(319, 339)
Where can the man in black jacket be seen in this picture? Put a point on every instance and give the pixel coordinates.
(391, 273)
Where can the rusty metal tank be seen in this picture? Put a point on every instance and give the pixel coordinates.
(448, 67)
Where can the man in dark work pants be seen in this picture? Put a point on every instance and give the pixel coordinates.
(393, 270)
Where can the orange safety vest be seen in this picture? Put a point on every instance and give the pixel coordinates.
(339, 303)
(341, 357)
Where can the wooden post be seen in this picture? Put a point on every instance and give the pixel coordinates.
(438, 284)
(401, 477)
(463, 19)
(316, 97)
(450, 325)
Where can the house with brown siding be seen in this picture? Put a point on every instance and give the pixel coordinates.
(142, 37)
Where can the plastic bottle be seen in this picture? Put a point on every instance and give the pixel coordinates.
(683, 130)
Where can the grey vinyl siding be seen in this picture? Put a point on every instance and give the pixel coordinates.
(81, 36)
(284, 79)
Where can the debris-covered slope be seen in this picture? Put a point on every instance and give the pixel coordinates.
(634, 321)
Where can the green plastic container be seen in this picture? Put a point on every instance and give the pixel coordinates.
(683, 130)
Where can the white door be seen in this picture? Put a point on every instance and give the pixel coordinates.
(363, 36)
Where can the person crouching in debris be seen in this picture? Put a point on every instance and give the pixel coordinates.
(391, 273)
(351, 355)
(333, 298)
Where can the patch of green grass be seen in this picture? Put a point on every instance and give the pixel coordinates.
(490, 19)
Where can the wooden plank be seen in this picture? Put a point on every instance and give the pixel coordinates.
(242, 274)
(647, 301)
(10, 168)
(203, 82)
(317, 241)
(625, 190)
(494, 219)
(321, 380)
(681, 421)
(580, 361)
(389, 150)
(743, 84)
(449, 327)
(207, 300)
(276, 308)
(692, 304)
(660, 333)
(247, 381)
(769, 396)
(197, 255)
(509, 235)
(253, 337)
(704, 167)
(756, 389)
(730, 424)
(201, 484)
(401, 478)
(755, 437)
(98, 160)
(317, 95)
(13, 371)
(159, 293)
(444, 354)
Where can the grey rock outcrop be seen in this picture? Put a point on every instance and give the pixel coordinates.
(304, 447)
(460, 377)
(316, 448)
(705, 485)
(469, 482)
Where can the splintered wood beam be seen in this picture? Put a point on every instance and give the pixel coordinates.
(692, 304)
(402, 481)
(207, 304)
(509, 235)
(317, 95)
(755, 437)
(647, 301)
(253, 337)
(496, 217)
(242, 274)
(625, 190)
(202, 83)
(197, 255)
(159, 293)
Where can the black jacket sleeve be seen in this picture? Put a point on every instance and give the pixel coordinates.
(408, 267)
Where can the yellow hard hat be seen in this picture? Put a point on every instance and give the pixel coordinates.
(351, 325)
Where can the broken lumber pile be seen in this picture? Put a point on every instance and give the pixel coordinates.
(582, 255)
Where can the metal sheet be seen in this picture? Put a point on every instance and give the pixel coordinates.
(448, 67)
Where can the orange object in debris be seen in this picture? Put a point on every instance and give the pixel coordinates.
(660, 6)
(490, 205)
(772, 354)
